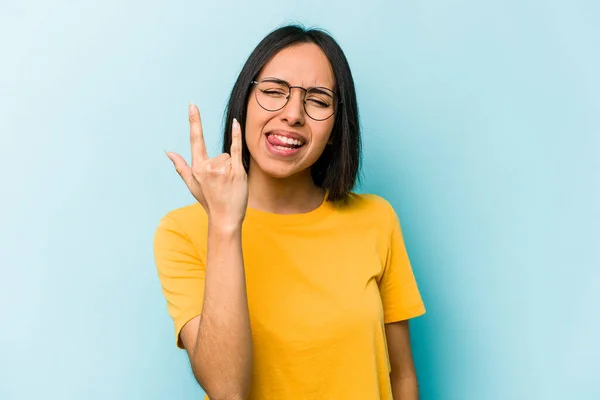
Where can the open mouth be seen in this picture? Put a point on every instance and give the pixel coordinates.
(284, 144)
(283, 141)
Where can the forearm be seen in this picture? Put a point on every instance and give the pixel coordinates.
(404, 387)
(223, 353)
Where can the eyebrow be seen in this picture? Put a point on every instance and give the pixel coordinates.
(317, 88)
(320, 90)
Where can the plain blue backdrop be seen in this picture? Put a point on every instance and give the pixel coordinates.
(481, 124)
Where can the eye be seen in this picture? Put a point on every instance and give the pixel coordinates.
(318, 97)
(274, 93)
(318, 102)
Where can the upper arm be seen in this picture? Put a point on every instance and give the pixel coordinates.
(400, 294)
(398, 341)
(181, 273)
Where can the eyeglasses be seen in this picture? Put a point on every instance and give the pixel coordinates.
(273, 94)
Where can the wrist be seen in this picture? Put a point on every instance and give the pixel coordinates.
(223, 227)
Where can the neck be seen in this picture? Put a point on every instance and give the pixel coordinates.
(296, 194)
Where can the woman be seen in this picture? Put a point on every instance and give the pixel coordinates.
(281, 282)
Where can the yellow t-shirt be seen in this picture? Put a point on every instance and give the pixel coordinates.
(321, 286)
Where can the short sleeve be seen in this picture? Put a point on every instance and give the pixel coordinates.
(398, 287)
(181, 273)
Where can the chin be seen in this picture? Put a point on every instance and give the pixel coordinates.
(280, 173)
(278, 169)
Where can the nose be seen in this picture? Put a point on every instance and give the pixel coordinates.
(293, 112)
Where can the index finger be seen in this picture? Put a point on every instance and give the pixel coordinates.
(236, 146)
(196, 137)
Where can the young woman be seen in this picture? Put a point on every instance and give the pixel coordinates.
(281, 282)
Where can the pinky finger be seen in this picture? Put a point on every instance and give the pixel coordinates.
(236, 146)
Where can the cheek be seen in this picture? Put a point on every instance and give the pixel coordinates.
(323, 132)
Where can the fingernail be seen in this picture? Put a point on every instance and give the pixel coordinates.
(167, 153)
(236, 124)
(191, 108)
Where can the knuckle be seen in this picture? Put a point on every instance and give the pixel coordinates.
(220, 171)
(210, 169)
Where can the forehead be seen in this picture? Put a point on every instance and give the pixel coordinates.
(303, 65)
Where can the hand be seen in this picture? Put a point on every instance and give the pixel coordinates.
(220, 184)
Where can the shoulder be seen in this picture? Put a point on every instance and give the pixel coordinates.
(371, 209)
(367, 203)
(189, 221)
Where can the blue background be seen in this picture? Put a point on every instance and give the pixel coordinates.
(481, 126)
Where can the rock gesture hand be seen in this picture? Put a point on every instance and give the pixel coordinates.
(220, 184)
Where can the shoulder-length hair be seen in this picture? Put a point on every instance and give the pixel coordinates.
(337, 170)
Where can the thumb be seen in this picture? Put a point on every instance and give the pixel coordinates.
(182, 169)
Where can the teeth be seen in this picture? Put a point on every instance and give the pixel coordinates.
(289, 140)
(282, 147)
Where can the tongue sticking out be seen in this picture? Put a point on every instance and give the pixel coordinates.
(275, 141)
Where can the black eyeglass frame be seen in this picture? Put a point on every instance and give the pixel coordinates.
(337, 101)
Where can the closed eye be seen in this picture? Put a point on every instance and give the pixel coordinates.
(273, 93)
(318, 103)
